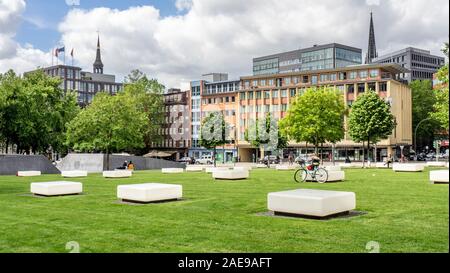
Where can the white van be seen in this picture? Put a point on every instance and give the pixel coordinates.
(205, 160)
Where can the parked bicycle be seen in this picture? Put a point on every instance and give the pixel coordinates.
(311, 172)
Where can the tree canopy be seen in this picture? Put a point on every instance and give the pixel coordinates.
(441, 105)
(109, 124)
(214, 132)
(315, 117)
(265, 133)
(370, 119)
(148, 98)
(423, 100)
(34, 112)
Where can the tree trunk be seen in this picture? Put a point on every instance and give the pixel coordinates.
(368, 149)
(364, 155)
(107, 159)
(214, 157)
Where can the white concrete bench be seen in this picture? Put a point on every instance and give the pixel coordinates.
(436, 164)
(230, 174)
(56, 188)
(285, 167)
(194, 169)
(151, 192)
(333, 176)
(260, 166)
(333, 168)
(118, 174)
(399, 167)
(439, 176)
(172, 170)
(74, 174)
(214, 169)
(316, 203)
(28, 173)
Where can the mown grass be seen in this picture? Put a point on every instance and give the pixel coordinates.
(405, 213)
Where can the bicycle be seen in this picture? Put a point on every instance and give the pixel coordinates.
(317, 174)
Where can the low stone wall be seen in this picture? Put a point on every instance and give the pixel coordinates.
(96, 163)
(11, 164)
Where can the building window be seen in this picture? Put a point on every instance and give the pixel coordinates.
(255, 83)
(267, 94)
(383, 86)
(363, 74)
(242, 96)
(374, 73)
(284, 93)
(293, 92)
(263, 82)
(250, 95)
(352, 75)
(271, 82)
(275, 94)
(258, 94)
(323, 77)
(333, 77)
(287, 81)
(314, 79)
(342, 76)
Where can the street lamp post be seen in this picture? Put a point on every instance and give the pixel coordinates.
(415, 136)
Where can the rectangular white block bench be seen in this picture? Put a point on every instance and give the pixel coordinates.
(230, 174)
(28, 173)
(260, 166)
(74, 174)
(439, 176)
(194, 169)
(349, 165)
(333, 176)
(172, 170)
(316, 203)
(333, 168)
(118, 174)
(150, 192)
(399, 167)
(56, 188)
(436, 164)
(285, 168)
(214, 169)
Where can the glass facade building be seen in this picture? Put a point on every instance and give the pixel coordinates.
(318, 57)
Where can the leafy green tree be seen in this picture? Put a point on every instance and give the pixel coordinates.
(423, 100)
(35, 112)
(214, 132)
(441, 113)
(148, 97)
(370, 119)
(109, 124)
(264, 133)
(316, 117)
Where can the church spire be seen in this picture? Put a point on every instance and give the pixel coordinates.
(372, 50)
(98, 64)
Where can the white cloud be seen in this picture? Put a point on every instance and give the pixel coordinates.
(13, 55)
(183, 5)
(224, 36)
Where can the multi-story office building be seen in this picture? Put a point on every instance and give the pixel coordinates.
(86, 84)
(175, 130)
(420, 63)
(318, 57)
(214, 93)
(273, 93)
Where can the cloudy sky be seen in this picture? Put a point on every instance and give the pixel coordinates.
(178, 40)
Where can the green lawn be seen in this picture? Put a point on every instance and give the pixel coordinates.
(405, 213)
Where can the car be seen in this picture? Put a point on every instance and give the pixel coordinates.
(205, 160)
(272, 159)
(187, 160)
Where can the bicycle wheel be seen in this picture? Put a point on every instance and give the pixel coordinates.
(300, 175)
(321, 175)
